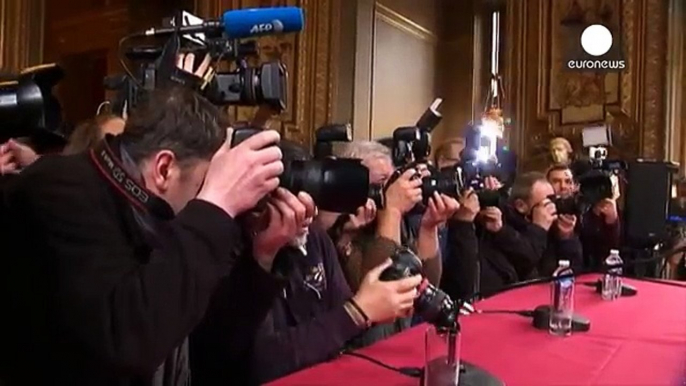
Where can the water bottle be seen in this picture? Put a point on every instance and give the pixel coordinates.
(612, 280)
(562, 300)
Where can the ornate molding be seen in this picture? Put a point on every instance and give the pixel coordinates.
(402, 23)
(634, 103)
(675, 114)
(21, 33)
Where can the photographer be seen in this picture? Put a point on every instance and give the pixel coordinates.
(599, 228)
(317, 312)
(365, 239)
(105, 285)
(515, 243)
(400, 196)
(533, 214)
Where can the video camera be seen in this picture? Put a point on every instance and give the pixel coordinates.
(244, 85)
(336, 185)
(597, 175)
(27, 106)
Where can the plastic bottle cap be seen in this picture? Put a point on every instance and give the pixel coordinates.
(614, 252)
(564, 263)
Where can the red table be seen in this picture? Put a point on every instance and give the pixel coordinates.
(639, 340)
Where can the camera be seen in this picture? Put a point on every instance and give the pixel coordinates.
(241, 85)
(412, 147)
(412, 144)
(567, 205)
(326, 135)
(323, 179)
(595, 176)
(432, 304)
(27, 106)
(479, 159)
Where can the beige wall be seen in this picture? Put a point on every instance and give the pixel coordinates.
(407, 53)
(396, 64)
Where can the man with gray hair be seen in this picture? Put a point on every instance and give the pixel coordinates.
(369, 229)
(375, 156)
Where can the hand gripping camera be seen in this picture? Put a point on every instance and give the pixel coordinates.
(336, 185)
(432, 305)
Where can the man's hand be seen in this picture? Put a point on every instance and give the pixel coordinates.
(239, 177)
(15, 156)
(404, 193)
(544, 214)
(469, 206)
(186, 62)
(288, 215)
(493, 219)
(492, 183)
(383, 301)
(565, 225)
(440, 209)
(607, 208)
(362, 217)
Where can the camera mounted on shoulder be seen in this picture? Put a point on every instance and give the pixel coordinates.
(242, 84)
(598, 175)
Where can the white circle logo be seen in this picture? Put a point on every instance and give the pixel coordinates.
(596, 40)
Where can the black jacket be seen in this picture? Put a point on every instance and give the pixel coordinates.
(307, 323)
(519, 251)
(87, 300)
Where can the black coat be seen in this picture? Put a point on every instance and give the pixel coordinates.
(88, 300)
(519, 251)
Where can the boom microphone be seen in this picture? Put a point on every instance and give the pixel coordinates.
(243, 23)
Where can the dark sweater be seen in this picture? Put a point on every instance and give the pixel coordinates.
(306, 325)
(88, 301)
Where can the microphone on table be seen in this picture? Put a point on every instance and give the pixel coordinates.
(242, 23)
(541, 314)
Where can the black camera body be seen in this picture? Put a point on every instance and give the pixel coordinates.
(412, 147)
(27, 106)
(432, 304)
(323, 179)
(244, 85)
(594, 177)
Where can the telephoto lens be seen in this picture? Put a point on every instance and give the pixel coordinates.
(432, 305)
(323, 179)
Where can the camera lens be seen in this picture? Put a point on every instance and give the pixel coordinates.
(270, 85)
(325, 180)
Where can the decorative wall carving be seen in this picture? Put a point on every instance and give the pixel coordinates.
(21, 33)
(310, 57)
(546, 101)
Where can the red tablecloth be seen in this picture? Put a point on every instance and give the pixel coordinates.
(639, 340)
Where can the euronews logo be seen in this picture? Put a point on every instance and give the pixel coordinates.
(596, 50)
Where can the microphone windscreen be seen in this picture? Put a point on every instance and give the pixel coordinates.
(246, 23)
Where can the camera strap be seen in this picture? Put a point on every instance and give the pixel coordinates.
(111, 168)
